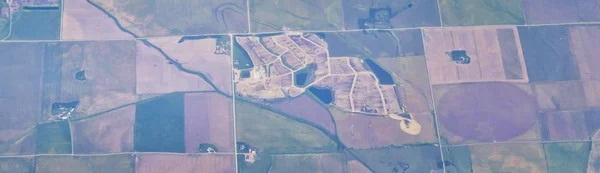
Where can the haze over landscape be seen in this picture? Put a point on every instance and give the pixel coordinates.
(267, 86)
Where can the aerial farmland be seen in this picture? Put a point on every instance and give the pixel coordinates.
(278, 86)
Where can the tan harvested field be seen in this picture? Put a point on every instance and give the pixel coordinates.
(78, 164)
(355, 166)
(83, 21)
(325, 163)
(362, 131)
(161, 163)
(208, 119)
(154, 74)
(199, 56)
(493, 56)
(111, 132)
(508, 158)
(585, 45)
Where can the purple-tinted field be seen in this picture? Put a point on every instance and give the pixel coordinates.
(199, 56)
(154, 74)
(361, 131)
(81, 20)
(157, 163)
(208, 119)
(485, 112)
(111, 132)
(563, 126)
(308, 109)
(568, 95)
(561, 11)
(585, 45)
(20, 90)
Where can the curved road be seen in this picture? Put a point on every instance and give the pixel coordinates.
(8, 2)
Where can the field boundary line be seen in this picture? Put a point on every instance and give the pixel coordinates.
(440, 12)
(72, 139)
(232, 39)
(313, 31)
(435, 119)
(248, 14)
(235, 153)
(62, 16)
(520, 142)
(120, 153)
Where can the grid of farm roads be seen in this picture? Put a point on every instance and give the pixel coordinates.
(352, 86)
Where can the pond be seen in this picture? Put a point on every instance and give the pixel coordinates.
(80, 75)
(324, 94)
(241, 59)
(384, 77)
(304, 76)
(245, 74)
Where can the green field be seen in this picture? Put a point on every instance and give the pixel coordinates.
(458, 159)
(53, 138)
(159, 125)
(16, 165)
(269, 131)
(36, 25)
(273, 15)
(481, 12)
(415, 159)
(517, 157)
(567, 157)
(77, 164)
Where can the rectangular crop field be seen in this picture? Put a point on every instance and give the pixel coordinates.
(491, 54)
(208, 120)
(159, 124)
(547, 53)
(53, 138)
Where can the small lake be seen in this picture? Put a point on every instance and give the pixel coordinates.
(245, 74)
(305, 76)
(301, 78)
(384, 77)
(325, 95)
(241, 58)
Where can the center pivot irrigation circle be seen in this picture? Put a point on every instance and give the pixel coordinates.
(487, 111)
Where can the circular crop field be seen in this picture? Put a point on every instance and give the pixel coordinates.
(487, 111)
